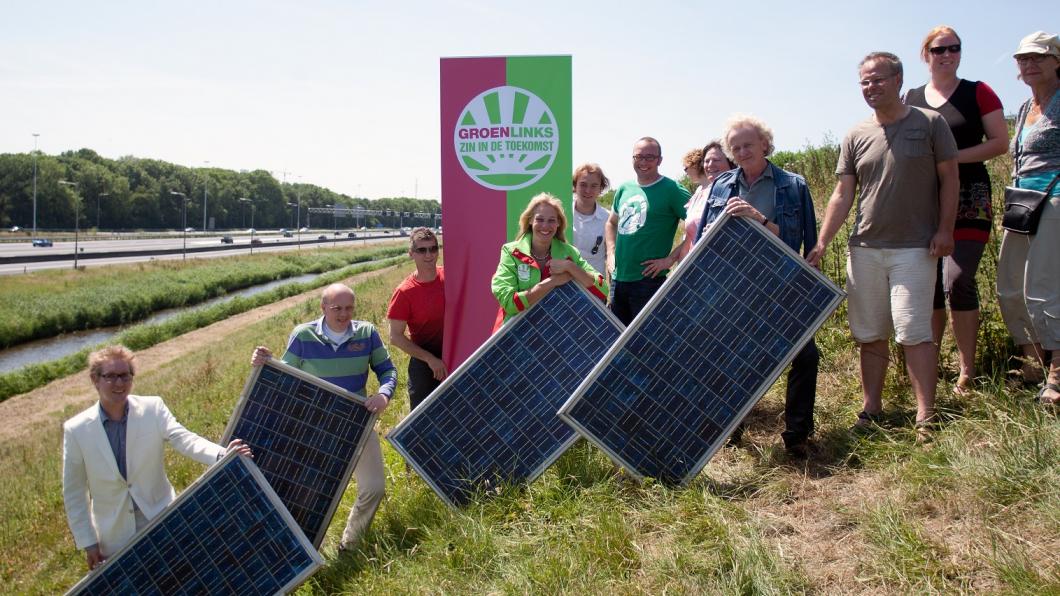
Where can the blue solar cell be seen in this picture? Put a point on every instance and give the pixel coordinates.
(494, 419)
(306, 435)
(227, 533)
(704, 350)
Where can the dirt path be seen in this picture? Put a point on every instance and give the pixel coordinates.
(25, 413)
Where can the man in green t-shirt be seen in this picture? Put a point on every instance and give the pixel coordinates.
(640, 232)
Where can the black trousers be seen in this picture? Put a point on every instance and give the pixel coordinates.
(801, 395)
(421, 382)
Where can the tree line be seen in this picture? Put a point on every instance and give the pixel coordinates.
(131, 193)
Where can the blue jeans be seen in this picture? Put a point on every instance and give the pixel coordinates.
(629, 297)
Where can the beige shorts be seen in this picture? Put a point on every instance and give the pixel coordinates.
(890, 289)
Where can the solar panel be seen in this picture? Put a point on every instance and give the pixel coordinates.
(494, 419)
(703, 351)
(228, 533)
(306, 435)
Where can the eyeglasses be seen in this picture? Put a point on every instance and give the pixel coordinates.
(645, 157)
(1035, 58)
(340, 309)
(115, 377)
(940, 50)
(426, 249)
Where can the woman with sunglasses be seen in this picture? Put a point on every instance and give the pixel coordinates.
(1028, 270)
(539, 260)
(975, 116)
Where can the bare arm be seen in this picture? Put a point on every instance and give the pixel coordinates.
(399, 339)
(834, 215)
(996, 141)
(610, 235)
(949, 187)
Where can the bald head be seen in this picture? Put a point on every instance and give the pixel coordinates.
(333, 291)
(336, 302)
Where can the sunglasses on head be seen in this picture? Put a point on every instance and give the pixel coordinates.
(426, 249)
(940, 50)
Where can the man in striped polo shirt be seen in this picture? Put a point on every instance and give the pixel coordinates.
(340, 350)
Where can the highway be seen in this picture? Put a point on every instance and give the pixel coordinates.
(270, 242)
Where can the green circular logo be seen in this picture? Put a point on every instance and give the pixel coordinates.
(506, 138)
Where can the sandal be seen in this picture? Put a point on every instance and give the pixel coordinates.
(867, 423)
(925, 430)
(1049, 401)
(963, 386)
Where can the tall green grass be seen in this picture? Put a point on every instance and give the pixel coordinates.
(48, 303)
(139, 337)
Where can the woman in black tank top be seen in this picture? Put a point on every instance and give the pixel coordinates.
(977, 121)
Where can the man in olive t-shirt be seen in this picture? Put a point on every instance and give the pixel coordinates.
(640, 232)
(904, 160)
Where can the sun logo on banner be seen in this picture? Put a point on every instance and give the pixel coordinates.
(506, 139)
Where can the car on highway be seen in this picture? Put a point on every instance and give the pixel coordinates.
(15, 228)
(322, 237)
(189, 229)
(42, 242)
(351, 235)
(255, 240)
(226, 240)
(286, 233)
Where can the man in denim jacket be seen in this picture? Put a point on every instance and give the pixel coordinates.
(780, 201)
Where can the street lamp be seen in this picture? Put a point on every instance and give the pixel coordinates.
(184, 223)
(298, 225)
(98, 198)
(35, 135)
(205, 192)
(77, 217)
(251, 201)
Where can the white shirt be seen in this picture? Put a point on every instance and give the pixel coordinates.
(589, 233)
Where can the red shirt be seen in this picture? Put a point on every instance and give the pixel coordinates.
(422, 306)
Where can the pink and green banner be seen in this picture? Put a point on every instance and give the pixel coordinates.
(506, 136)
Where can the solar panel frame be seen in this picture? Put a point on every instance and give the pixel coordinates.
(718, 350)
(519, 326)
(342, 466)
(192, 532)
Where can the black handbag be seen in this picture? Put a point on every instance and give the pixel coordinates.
(1024, 206)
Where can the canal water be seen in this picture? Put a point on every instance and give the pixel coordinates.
(46, 350)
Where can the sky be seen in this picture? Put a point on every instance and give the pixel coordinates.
(344, 94)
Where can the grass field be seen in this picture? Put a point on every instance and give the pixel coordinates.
(976, 511)
(48, 303)
(146, 335)
(979, 510)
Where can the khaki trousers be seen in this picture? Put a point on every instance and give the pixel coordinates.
(1028, 281)
(371, 488)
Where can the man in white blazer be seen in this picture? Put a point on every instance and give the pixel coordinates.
(114, 480)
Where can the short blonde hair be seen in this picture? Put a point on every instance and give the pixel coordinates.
(544, 198)
(116, 352)
(589, 168)
(747, 121)
(930, 37)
